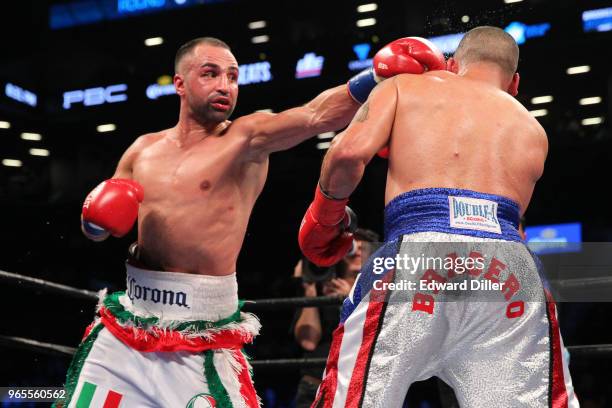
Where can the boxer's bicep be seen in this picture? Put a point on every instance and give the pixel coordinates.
(371, 127)
(350, 151)
(330, 110)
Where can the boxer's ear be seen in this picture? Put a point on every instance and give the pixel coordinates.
(179, 84)
(514, 84)
(452, 65)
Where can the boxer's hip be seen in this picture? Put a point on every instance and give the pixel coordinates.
(467, 213)
(450, 245)
(170, 311)
(179, 296)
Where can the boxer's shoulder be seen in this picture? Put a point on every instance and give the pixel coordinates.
(148, 139)
(426, 80)
(247, 124)
(144, 143)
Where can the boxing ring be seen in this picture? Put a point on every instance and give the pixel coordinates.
(593, 351)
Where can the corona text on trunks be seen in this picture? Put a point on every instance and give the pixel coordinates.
(165, 297)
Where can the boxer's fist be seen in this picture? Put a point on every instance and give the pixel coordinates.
(326, 232)
(111, 208)
(409, 55)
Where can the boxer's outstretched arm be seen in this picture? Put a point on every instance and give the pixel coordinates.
(352, 150)
(330, 110)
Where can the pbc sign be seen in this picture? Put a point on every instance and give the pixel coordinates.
(95, 96)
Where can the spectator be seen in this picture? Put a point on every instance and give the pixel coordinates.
(314, 325)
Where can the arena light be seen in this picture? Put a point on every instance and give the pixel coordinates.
(366, 8)
(512, 1)
(539, 113)
(326, 135)
(5, 125)
(366, 22)
(11, 163)
(593, 100)
(522, 32)
(541, 99)
(31, 136)
(39, 152)
(108, 127)
(597, 20)
(465, 19)
(254, 25)
(323, 145)
(592, 121)
(150, 42)
(259, 39)
(581, 69)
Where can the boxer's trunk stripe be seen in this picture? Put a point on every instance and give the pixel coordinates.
(215, 386)
(371, 328)
(112, 399)
(88, 391)
(247, 388)
(328, 389)
(557, 393)
(74, 370)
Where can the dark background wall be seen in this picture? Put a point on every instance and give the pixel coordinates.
(40, 201)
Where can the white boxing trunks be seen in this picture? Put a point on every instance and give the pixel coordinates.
(453, 293)
(171, 340)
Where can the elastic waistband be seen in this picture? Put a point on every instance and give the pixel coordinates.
(453, 211)
(179, 296)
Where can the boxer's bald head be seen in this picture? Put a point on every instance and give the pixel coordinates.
(187, 49)
(488, 44)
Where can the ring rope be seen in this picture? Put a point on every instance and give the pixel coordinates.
(249, 305)
(260, 304)
(595, 350)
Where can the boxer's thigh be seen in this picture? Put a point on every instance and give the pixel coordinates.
(385, 344)
(109, 372)
(507, 365)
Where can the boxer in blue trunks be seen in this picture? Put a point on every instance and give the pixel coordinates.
(464, 157)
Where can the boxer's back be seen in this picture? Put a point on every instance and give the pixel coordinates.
(451, 131)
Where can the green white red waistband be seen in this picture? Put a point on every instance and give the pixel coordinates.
(150, 334)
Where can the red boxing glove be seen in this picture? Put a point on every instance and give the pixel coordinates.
(112, 207)
(408, 55)
(325, 235)
(383, 153)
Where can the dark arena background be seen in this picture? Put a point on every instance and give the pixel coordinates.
(81, 79)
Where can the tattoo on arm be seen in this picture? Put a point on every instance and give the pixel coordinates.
(362, 114)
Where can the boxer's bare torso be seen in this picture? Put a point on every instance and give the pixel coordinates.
(201, 178)
(457, 132)
(198, 198)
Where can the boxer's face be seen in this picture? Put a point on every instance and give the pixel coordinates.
(208, 81)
